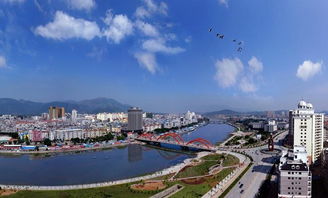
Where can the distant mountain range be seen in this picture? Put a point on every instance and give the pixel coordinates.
(228, 112)
(25, 107)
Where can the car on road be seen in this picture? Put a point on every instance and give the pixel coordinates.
(241, 192)
(241, 185)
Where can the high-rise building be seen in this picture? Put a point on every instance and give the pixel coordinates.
(135, 119)
(74, 115)
(294, 175)
(61, 112)
(306, 129)
(56, 112)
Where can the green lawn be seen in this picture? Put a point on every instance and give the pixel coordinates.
(230, 160)
(119, 191)
(209, 161)
(212, 157)
(198, 190)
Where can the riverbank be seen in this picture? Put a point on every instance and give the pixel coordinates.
(104, 147)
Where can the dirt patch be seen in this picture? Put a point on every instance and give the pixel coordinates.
(194, 181)
(149, 185)
(7, 192)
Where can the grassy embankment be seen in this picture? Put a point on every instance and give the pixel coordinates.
(207, 162)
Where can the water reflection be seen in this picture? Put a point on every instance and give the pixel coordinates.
(134, 152)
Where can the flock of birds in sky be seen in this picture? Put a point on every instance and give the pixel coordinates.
(238, 43)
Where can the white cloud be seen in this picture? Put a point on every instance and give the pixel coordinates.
(255, 65)
(13, 1)
(38, 6)
(147, 29)
(159, 45)
(150, 8)
(119, 26)
(81, 4)
(224, 2)
(228, 71)
(141, 12)
(97, 53)
(67, 27)
(308, 69)
(3, 62)
(247, 85)
(147, 60)
(188, 39)
(162, 9)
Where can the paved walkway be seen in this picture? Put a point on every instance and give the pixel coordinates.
(217, 190)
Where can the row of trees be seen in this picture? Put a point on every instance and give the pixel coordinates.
(104, 138)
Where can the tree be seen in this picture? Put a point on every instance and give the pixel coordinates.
(47, 142)
(27, 141)
(251, 141)
(121, 137)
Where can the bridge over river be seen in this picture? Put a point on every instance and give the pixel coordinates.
(175, 141)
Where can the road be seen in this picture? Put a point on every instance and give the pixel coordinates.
(250, 183)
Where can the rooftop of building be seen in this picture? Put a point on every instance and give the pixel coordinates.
(294, 165)
(304, 105)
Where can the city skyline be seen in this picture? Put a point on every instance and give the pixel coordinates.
(150, 54)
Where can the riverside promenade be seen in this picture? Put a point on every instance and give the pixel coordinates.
(170, 170)
(217, 190)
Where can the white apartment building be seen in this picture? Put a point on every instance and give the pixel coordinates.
(111, 116)
(74, 115)
(307, 129)
(271, 126)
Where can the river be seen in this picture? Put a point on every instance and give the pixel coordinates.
(98, 166)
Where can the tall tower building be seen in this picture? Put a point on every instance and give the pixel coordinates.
(52, 113)
(74, 115)
(135, 119)
(56, 112)
(306, 129)
(60, 112)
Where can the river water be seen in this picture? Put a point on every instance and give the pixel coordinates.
(98, 166)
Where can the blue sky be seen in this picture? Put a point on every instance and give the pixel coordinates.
(159, 54)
